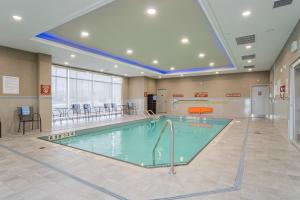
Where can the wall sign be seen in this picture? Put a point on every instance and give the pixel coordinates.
(145, 94)
(11, 85)
(46, 90)
(178, 95)
(201, 94)
(233, 94)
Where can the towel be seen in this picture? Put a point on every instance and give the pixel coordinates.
(25, 110)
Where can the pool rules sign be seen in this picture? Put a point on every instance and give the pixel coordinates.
(11, 85)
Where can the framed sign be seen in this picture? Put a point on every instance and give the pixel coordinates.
(201, 94)
(11, 85)
(46, 90)
(233, 95)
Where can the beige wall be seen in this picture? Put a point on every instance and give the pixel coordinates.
(216, 85)
(24, 65)
(281, 73)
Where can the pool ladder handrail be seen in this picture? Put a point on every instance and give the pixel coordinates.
(168, 122)
(151, 114)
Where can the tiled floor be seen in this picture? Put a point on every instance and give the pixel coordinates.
(250, 159)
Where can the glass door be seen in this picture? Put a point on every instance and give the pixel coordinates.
(297, 104)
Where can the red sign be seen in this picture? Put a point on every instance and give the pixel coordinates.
(178, 95)
(282, 92)
(233, 95)
(46, 90)
(201, 94)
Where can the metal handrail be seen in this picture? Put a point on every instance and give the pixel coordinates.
(153, 114)
(168, 122)
(147, 114)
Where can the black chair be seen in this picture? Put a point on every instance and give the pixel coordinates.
(0, 128)
(76, 110)
(25, 114)
(107, 108)
(114, 109)
(89, 111)
(131, 108)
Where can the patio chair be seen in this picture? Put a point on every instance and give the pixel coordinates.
(25, 114)
(89, 111)
(107, 109)
(131, 108)
(76, 110)
(114, 109)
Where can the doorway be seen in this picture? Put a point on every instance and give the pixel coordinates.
(260, 101)
(294, 126)
(162, 95)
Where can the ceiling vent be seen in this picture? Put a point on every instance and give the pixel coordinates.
(281, 3)
(245, 39)
(249, 57)
(249, 67)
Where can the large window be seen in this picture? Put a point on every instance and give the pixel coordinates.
(84, 87)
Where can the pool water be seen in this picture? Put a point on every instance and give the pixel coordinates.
(134, 142)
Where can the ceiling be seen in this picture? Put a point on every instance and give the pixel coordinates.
(117, 25)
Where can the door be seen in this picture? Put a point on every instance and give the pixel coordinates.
(297, 104)
(161, 102)
(260, 101)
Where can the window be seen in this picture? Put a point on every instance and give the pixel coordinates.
(72, 86)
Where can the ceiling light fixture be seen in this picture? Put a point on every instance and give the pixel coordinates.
(151, 11)
(84, 34)
(181, 75)
(72, 55)
(116, 66)
(129, 51)
(172, 68)
(101, 70)
(155, 62)
(246, 13)
(185, 40)
(217, 72)
(142, 72)
(66, 63)
(159, 76)
(212, 64)
(250, 70)
(125, 74)
(17, 18)
(201, 55)
(248, 46)
(249, 61)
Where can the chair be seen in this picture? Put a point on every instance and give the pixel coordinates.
(107, 108)
(88, 110)
(114, 109)
(25, 114)
(131, 108)
(76, 110)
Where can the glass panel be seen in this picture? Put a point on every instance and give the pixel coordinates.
(297, 104)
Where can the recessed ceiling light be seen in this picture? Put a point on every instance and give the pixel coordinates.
(248, 46)
(246, 13)
(125, 74)
(116, 66)
(17, 18)
(129, 51)
(101, 70)
(159, 76)
(172, 68)
(155, 62)
(185, 40)
(249, 61)
(217, 72)
(201, 55)
(66, 63)
(72, 55)
(211, 64)
(250, 70)
(151, 11)
(84, 34)
(181, 75)
(142, 72)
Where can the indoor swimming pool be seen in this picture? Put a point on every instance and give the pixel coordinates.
(133, 142)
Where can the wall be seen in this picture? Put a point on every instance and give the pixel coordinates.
(136, 90)
(281, 73)
(216, 86)
(23, 65)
